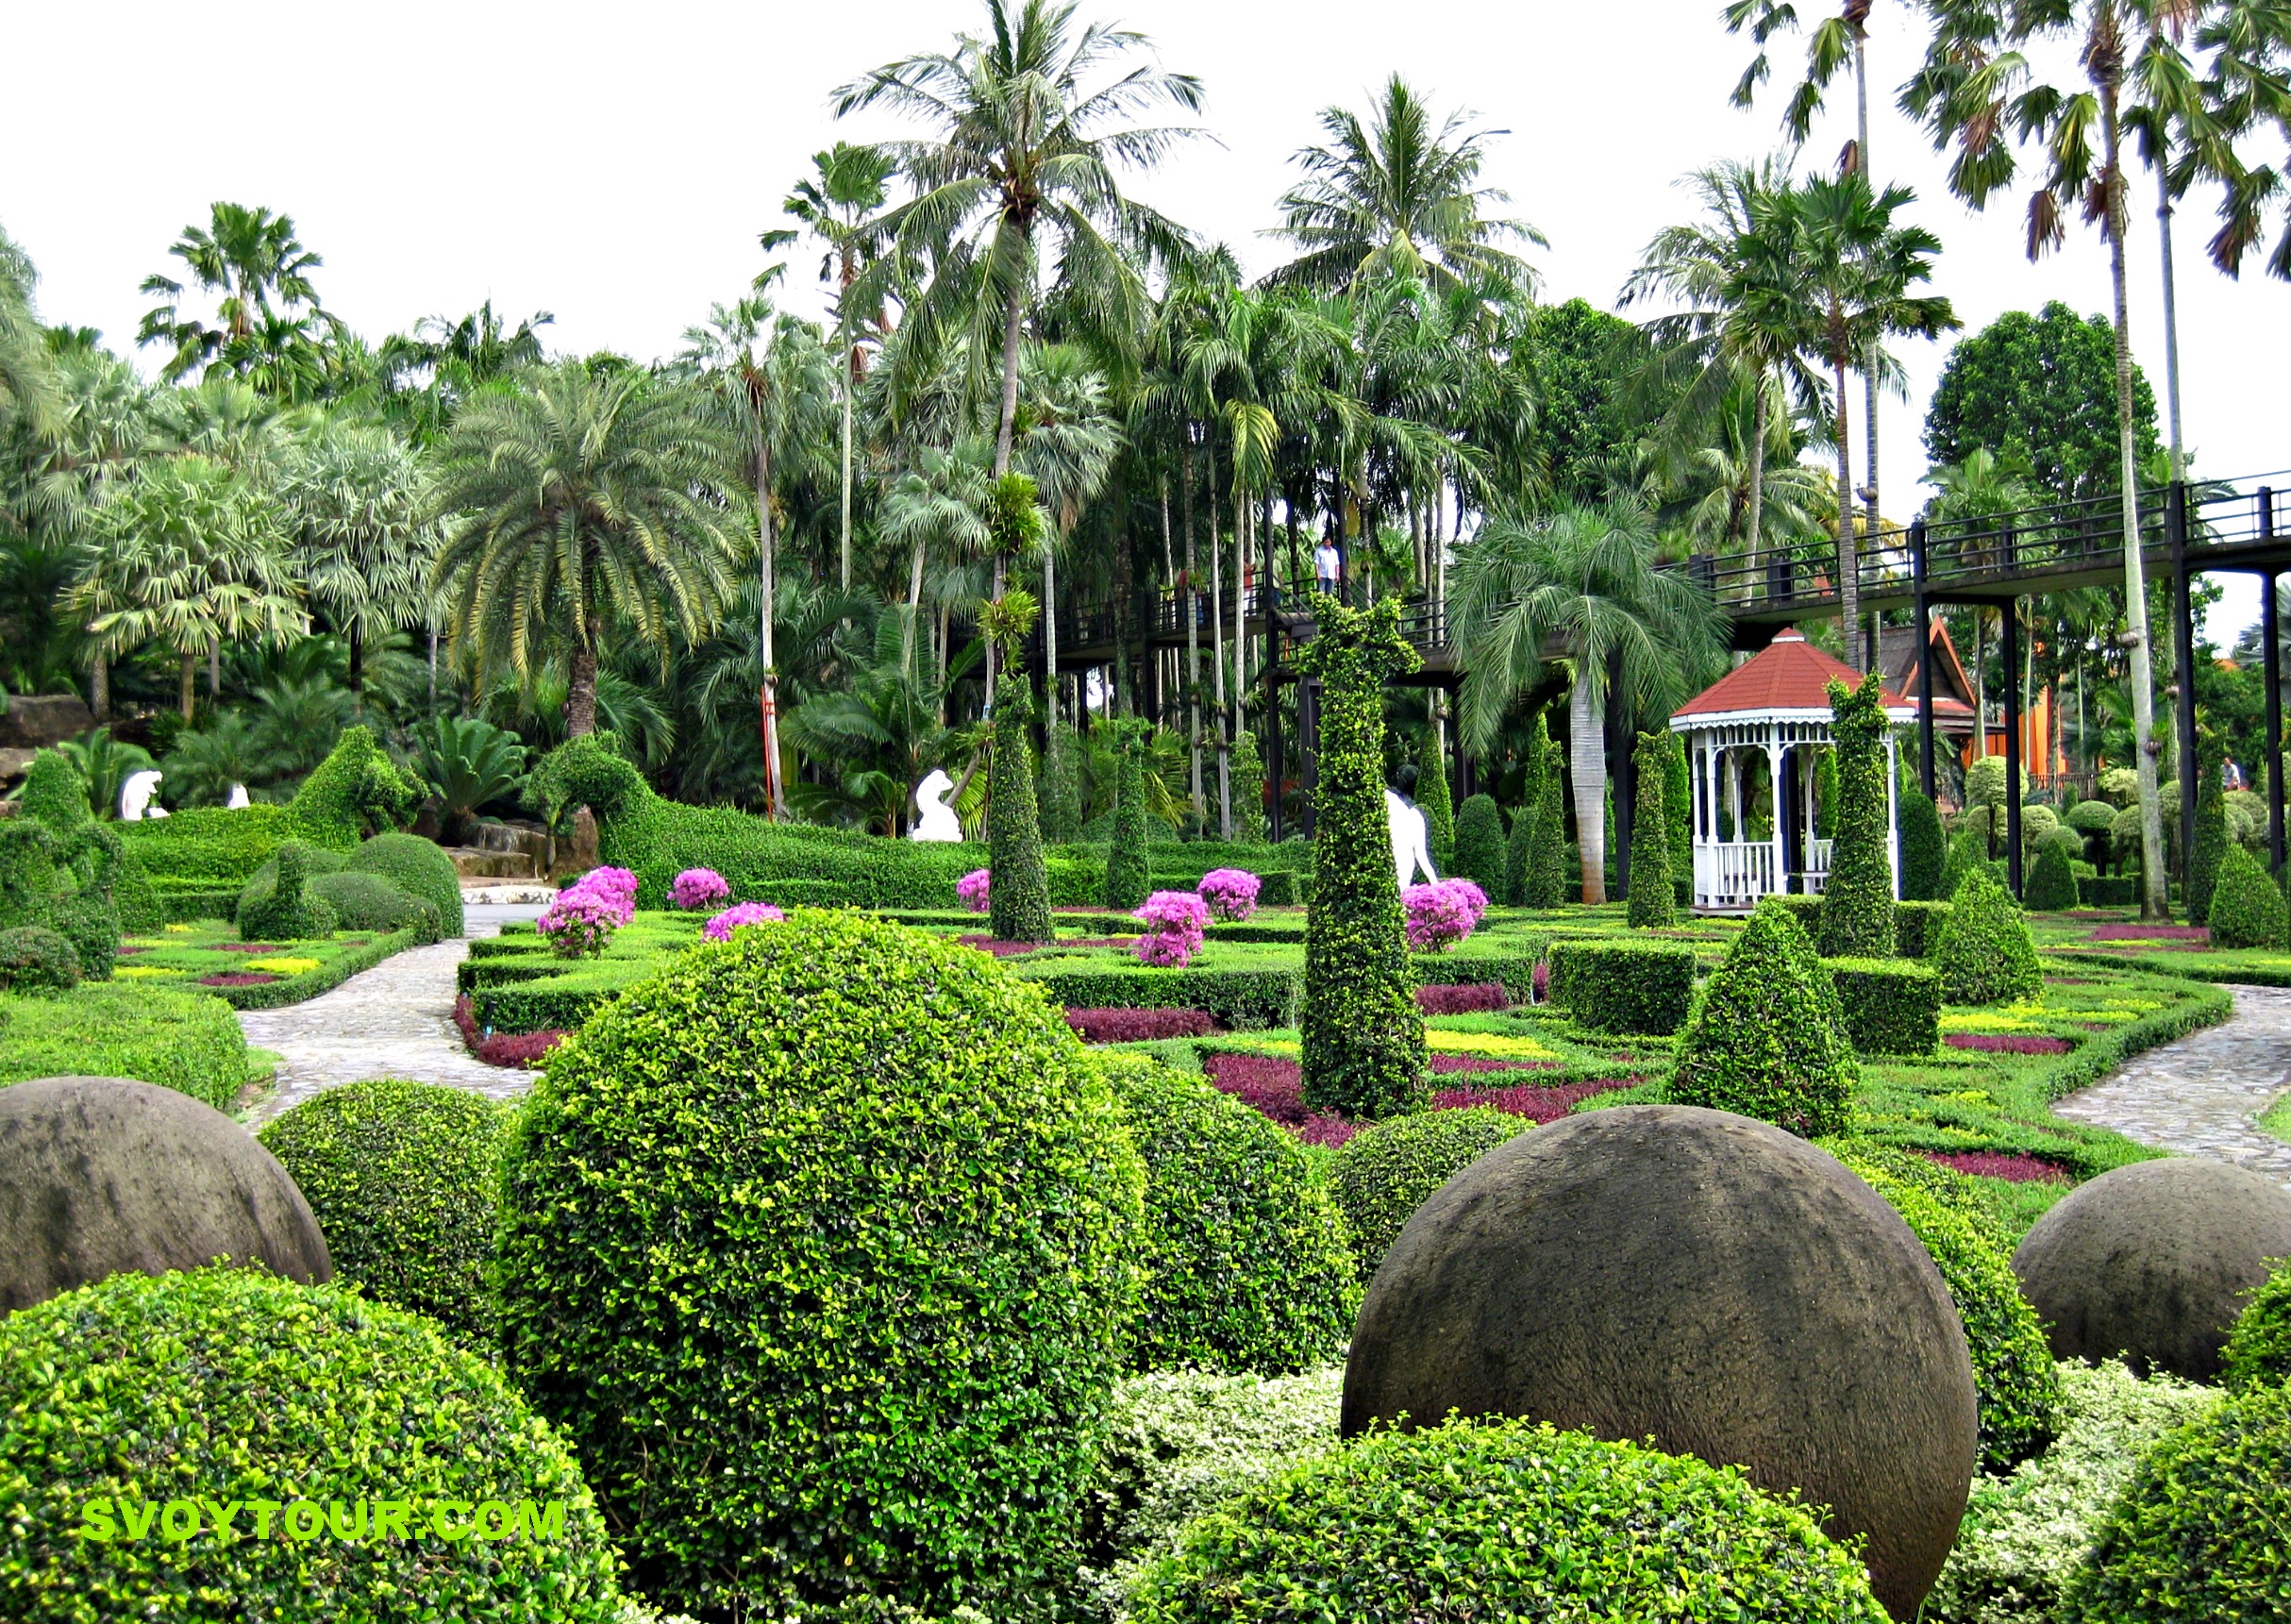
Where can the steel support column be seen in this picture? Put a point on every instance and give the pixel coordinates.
(2012, 690)
(2184, 663)
(2269, 633)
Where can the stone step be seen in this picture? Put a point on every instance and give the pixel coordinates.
(471, 863)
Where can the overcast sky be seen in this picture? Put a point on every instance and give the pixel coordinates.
(614, 164)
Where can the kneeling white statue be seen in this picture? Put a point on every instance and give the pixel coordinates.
(138, 798)
(1411, 840)
(938, 820)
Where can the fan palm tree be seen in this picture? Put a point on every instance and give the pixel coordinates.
(27, 382)
(1583, 579)
(585, 491)
(267, 319)
(362, 532)
(1394, 195)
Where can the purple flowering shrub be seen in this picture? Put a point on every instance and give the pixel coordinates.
(720, 928)
(1230, 893)
(1442, 914)
(586, 913)
(972, 888)
(1174, 922)
(1463, 998)
(697, 888)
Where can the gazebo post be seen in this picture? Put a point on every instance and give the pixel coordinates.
(1775, 758)
(1893, 811)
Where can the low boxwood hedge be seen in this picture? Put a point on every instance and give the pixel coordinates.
(310, 983)
(189, 1042)
(1243, 999)
(1624, 986)
(1893, 1006)
(1916, 926)
(2109, 891)
(182, 901)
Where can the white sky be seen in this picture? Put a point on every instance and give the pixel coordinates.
(614, 164)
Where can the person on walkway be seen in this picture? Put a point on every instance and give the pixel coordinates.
(1328, 567)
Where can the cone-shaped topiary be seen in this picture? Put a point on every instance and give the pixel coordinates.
(1653, 903)
(1364, 1051)
(1384, 1172)
(54, 793)
(2051, 883)
(1020, 900)
(1248, 787)
(1857, 899)
(1985, 954)
(2246, 908)
(1923, 848)
(1967, 851)
(1479, 844)
(1547, 873)
(1519, 850)
(2210, 837)
(290, 912)
(1769, 1035)
(905, 1193)
(1128, 861)
(2258, 1349)
(1061, 796)
(1433, 800)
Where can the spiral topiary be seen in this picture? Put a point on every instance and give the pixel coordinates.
(1246, 1264)
(1479, 843)
(1654, 902)
(1364, 1051)
(1985, 954)
(1767, 1038)
(2258, 1347)
(401, 1176)
(904, 1194)
(418, 867)
(2052, 886)
(1384, 1172)
(1857, 899)
(232, 1392)
(2247, 908)
(290, 912)
(1504, 1520)
(1434, 801)
(1129, 864)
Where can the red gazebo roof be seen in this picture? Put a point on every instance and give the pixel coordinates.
(1789, 673)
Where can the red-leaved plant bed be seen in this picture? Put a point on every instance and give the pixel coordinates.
(1464, 998)
(1443, 1065)
(1274, 1086)
(523, 1050)
(2007, 1043)
(236, 978)
(1139, 1026)
(2151, 933)
(126, 952)
(1331, 1131)
(1536, 1104)
(2011, 1166)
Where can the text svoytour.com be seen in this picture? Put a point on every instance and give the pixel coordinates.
(180, 1521)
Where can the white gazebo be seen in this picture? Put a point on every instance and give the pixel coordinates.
(1752, 739)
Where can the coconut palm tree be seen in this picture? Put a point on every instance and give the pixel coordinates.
(1396, 195)
(1584, 579)
(586, 492)
(1703, 479)
(1068, 438)
(362, 535)
(268, 320)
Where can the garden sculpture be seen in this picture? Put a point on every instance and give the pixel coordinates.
(237, 798)
(1411, 841)
(137, 794)
(938, 819)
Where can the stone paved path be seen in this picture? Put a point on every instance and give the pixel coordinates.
(2203, 1093)
(393, 1020)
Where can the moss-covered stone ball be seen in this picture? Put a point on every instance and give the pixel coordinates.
(1703, 1280)
(100, 1175)
(2153, 1262)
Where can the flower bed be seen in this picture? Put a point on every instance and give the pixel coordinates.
(2013, 1169)
(521, 1050)
(1538, 1104)
(1464, 998)
(2151, 933)
(208, 956)
(2006, 1043)
(1118, 1026)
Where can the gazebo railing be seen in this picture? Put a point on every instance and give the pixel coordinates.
(1736, 873)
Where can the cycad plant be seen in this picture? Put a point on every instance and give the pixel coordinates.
(464, 762)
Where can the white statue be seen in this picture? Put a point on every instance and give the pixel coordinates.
(1411, 841)
(938, 821)
(136, 795)
(237, 798)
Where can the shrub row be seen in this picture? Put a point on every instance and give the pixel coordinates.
(1891, 1006)
(1624, 986)
(187, 1041)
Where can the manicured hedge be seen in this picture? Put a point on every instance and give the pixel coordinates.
(2246, 905)
(1985, 955)
(2109, 891)
(1917, 928)
(183, 901)
(210, 844)
(369, 902)
(1238, 998)
(1893, 1006)
(1624, 986)
(2258, 1349)
(189, 1042)
(416, 866)
(1857, 914)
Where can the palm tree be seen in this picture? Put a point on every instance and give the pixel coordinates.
(938, 503)
(1067, 441)
(268, 318)
(1396, 196)
(362, 533)
(1703, 476)
(772, 378)
(834, 204)
(28, 383)
(1584, 579)
(586, 492)
(453, 358)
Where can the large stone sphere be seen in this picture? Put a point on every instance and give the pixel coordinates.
(1703, 1280)
(100, 1175)
(2153, 1262)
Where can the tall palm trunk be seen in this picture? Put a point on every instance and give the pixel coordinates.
(1857, 14)
(99, 686)
(1758, 471)
(186, 696)
(1243, 522)
(1188, 605)
(1005, 429)
(581, 693)
(1217, 610)
(1587, 765)
(774, 805)
(1849, 559)
(1050, 639)
(844, 578)
(2171, 319)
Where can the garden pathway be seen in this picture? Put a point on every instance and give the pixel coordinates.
(393, 1020)
(2203, 1093)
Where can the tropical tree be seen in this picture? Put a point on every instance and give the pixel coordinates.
(453, 361)
(465, 761)
(1394, 195)
(586, 492)
(268, 326)
(27, 384)
(1067, 441)
(1583, 579)
(362, 533)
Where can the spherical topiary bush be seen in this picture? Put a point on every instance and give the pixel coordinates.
(288, 912)
(401, 1176)
(1508, 1520)
(34, 959)
(1384, 1172)
(1985, 955)
(2258, 1347)
(1767, 1038)
(2018, 1387)
(1246, 1259)
(1699, 1280)
(2199, 1536)
(418, 868)
(99, 1174)
(819, 1244)
(369, 902)
(2246, 908)
(2154, 1262)
(306, 1412)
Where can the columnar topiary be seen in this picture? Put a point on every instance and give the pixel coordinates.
(1923, 848)
(2258, 1349)
(290, 912)
(53, 791)
(1019, 905)
(416, 866)
(2247, 906)
(1768, 1037)
(1985, 954)
(1248, 787)
(2210, 837)
(1364, 1047)
(904, 1195)
(1245, 1261)
(1433, 800)
(2198, 1537)
(400, 1176)
(2051, 886)
(1857, 899)
(1547, 873)
(1519, 849)
(1384, 1172)
(1507, 1521)
(1479, 844)
(1679, 807)
(1824, 791)
(1062, 793)
(1654, 902)
(303, 1414)
(1129, 864)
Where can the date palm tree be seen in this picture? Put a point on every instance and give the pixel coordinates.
(587, 491)
(268, 320)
